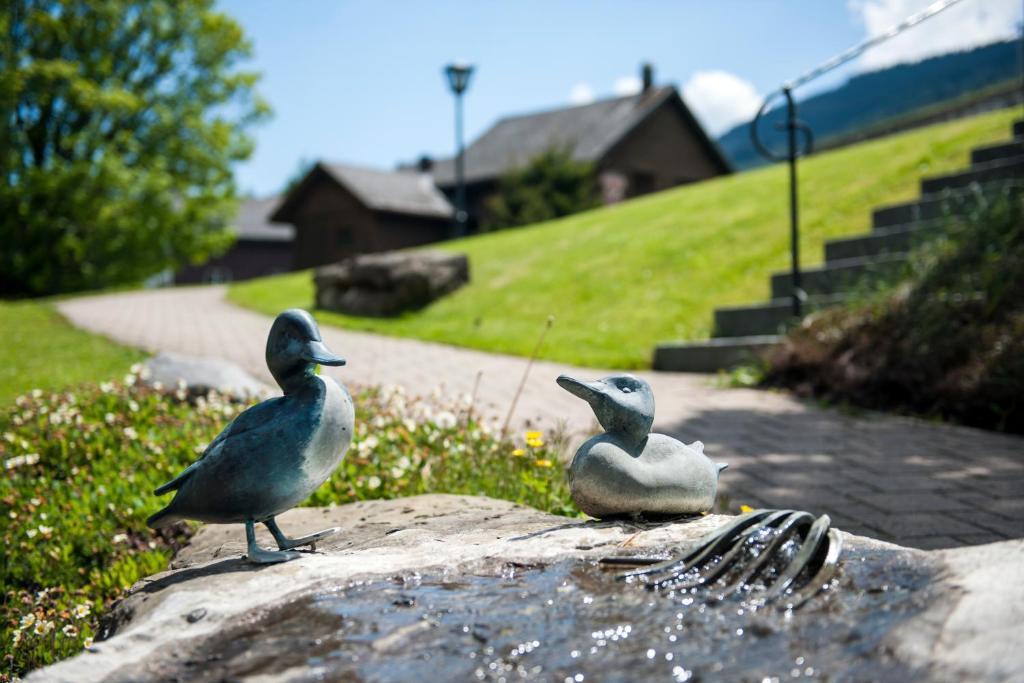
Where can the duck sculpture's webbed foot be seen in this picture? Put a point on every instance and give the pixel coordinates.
(285, 543)
(258, 555)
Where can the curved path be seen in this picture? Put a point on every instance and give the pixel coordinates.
(909, 481)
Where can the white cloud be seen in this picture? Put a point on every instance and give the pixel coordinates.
(581, 93)
(963, 26)
(627, 85)
(720, 99)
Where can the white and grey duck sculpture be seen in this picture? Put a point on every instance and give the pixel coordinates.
(275, 454)
(627, 470)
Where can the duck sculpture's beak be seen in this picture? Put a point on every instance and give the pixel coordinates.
(317, 352)
(588, 391)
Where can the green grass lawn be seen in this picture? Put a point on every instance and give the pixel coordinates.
(41, 350)
(623, 278)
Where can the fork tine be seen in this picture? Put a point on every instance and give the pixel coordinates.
(824, 575)
(701, 549)
(735, 538)
(817, 535)
(796, 521)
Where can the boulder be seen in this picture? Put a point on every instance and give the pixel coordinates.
(389, 283)
(200, 375)
(478, 588)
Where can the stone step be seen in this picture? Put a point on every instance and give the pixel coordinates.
(768, 318)
(838, 276)
(1000, 170)
(1004, 150)
(889, 240)
(929, 207)
(1018, 129)
(714, 354)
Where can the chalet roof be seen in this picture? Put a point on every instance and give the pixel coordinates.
(591, 130)
(403, 191)
(253, 221)
(398, 191)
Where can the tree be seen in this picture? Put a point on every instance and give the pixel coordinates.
(120, 122)
(552, 184)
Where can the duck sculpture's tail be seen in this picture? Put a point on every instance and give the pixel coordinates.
(165, 517)
(699, 447)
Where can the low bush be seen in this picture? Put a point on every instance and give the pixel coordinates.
(946, 342)
(81, 465)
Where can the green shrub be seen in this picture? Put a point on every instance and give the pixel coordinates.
(947, 342)
(551, 185)
(80, 467)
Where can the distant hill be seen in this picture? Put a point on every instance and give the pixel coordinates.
(868, 99)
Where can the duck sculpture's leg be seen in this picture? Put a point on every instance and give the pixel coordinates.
(258, 555)
(285, 543)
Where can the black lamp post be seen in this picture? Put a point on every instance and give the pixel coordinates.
(458, 80)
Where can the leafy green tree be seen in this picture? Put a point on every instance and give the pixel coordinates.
(119, 122)
(552, 184)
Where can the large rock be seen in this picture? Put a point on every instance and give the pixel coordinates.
(200, 375)
(389, 283)
(469, 587)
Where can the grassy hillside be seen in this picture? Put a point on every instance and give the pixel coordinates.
(623, 278)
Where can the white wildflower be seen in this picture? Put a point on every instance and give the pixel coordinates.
(31, 533)
(119, 538)
(16, 638)
(70, 631)
(42, 628)
(158, 386)
(373, 482)
(368, 444)
(27, 620)
(87, 642)
(129, 379)
(445, 420)
(45, 530)
(37, 393)
(109, 418)
(81, 611)
(131, 433)
(409, 424)
(35, 501)
(21, 461)
(9, 437)
(133, 406)
(106, 387)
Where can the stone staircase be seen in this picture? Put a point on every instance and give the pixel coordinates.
(741, 333)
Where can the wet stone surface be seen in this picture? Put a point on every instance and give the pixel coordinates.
(571, 621)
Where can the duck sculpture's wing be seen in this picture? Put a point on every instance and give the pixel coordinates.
(247, 421)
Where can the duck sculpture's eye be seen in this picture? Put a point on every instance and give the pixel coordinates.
(626, 390)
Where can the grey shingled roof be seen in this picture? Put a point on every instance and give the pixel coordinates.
(407, 192)
(590, 129)
(253, 221)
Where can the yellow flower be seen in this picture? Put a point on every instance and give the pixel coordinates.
(544, 463)
(744, 509)
(535, 443)
(519, 452)
(533, 435)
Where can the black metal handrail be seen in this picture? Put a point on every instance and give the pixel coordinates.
(793, 125)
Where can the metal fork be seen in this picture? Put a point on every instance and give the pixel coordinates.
(747, 547)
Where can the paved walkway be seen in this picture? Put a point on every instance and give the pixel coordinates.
(916, 483)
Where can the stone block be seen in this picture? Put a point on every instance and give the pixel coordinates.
(389, 283)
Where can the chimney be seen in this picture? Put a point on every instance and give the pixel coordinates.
(424, 164)
(647, 76)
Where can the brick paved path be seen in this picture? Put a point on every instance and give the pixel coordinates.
(916, 483)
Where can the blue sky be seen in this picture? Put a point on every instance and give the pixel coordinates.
(362, 82)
